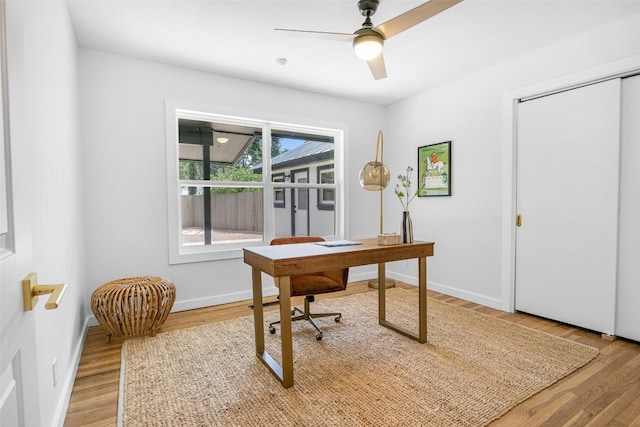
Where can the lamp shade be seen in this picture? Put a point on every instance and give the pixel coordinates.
(374, 176)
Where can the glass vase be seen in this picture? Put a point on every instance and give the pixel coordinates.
(407, 228)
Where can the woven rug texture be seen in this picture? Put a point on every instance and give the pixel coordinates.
(473, 369)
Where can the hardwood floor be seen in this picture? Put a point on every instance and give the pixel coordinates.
(606, 392)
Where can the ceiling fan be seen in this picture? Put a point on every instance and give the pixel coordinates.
(368, 41)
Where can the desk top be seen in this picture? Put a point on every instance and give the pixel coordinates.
(301, 258)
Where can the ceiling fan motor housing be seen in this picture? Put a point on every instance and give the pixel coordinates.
(369, 33)
(368, 7)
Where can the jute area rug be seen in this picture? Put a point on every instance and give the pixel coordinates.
(473, 369)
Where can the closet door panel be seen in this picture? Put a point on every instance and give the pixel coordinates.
(567, 194)
(628, 306)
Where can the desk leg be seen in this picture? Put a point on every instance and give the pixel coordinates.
(422, 297)
(421, 336)
(284, 373)
(258, 312)
(382, 309)
(285, 332)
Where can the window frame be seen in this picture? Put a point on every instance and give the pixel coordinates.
(175, 110)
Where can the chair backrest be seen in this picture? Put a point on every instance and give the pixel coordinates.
(340, 276)
(296, 239)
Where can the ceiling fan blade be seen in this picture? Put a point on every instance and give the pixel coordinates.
(376, 65)
(400, 23)
(315, 34)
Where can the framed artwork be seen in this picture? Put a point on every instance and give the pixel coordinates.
(434, 170)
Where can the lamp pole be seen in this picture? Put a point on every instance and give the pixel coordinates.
(388, 283)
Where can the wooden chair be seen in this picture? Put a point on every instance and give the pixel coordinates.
(308, 285)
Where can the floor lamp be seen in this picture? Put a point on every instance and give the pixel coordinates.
(374, 176)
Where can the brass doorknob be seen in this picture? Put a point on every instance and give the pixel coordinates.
(31, 290)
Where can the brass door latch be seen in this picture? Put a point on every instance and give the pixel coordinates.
(31, 290)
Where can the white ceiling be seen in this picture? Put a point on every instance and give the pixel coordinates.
(236, 38)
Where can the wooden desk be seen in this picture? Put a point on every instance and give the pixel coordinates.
(283, 261)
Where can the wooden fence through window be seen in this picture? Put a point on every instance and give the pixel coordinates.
(237, 211)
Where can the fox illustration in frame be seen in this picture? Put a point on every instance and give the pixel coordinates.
(434, 170)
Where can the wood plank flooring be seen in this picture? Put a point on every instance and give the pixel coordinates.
(606, 392)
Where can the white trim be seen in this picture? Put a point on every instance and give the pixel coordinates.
(433, 286)
(69, 381)
(466, 295)
(196, 303)
(614, 69)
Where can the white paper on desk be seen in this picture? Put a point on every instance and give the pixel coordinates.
(332, 243)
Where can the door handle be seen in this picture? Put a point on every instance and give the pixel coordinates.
(31, 290)
(519, 220)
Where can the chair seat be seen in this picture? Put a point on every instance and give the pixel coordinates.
(308, 285)
(312, 284)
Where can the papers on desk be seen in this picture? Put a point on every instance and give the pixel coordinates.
(333, 243)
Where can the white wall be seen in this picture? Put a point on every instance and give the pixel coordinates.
(48, 55)
(123, 134)
(467, 227)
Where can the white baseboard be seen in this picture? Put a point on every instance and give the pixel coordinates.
(70, 378)
(454, 292)
(468, 296)
(207, 301)
(247, 295)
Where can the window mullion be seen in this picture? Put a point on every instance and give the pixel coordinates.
(268, 193)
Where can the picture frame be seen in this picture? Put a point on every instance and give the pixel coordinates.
(434, 170)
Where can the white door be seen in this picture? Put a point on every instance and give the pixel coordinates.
(18, 366)
(628, 309)
(301, 203)
(567, 194)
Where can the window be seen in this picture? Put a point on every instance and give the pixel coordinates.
(326, 196)
(278, 192)
(219, 204)
(222, 197)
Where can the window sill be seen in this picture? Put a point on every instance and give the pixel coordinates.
(200, 254)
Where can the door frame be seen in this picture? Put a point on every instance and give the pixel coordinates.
(611, 70)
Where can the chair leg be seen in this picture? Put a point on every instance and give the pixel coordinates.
(308, 316)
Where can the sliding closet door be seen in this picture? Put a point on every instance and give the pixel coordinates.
(567, 194)
(628, 309)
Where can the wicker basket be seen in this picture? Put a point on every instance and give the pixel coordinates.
(134, 305)
(389, 239)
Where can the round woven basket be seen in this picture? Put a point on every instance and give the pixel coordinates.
(133, 305)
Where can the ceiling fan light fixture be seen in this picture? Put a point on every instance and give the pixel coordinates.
(368, 46)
